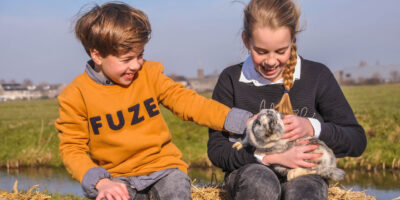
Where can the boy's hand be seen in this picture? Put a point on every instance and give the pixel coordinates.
(252, 118)
(297, 127)
(111, 190)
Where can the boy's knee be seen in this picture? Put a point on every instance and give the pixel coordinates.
(306, 187)
(174, 186)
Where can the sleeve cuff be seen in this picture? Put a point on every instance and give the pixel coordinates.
(316, 125)
(236, 120)
(259, 159)
(91, 178)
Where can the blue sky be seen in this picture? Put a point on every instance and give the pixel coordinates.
(37, 41)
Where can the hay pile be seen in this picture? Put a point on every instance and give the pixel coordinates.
(335, 193)
(198, 193)
(31, 194)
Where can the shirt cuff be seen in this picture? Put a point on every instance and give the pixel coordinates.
(259, 159)
(236, 121)
(90, 180)
(316, 125)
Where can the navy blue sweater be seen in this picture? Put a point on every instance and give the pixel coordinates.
(316, 94)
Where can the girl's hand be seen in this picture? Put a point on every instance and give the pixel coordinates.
(297, 127)
(294, 157)
(111, 190)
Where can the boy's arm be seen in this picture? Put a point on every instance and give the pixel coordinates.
(72, 126)
(219, 148)
(190, 106)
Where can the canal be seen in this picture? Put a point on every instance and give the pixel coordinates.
(381, 184)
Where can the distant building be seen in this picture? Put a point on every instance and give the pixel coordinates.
(180, 79)
(16, 91)
(204, 83)
(201, 83)
(364, 73)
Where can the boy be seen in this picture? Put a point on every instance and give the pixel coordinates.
(113, 138)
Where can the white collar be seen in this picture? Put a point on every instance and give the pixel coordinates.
(250, 75)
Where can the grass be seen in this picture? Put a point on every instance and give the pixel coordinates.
(29, 138)
(377, 110)
(28, 134)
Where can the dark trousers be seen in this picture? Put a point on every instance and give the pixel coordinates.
(175, 186)
(259, 182)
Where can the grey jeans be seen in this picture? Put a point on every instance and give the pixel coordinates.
(174, 186)
(256, 181)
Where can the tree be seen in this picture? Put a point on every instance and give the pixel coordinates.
(27, 82)
(394, 77)
(374, 80)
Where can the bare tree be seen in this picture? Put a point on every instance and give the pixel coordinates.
(27, 82)
(394, 77)
(1, 90)
(374, 80)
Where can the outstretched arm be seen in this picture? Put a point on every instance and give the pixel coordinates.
(219, 148)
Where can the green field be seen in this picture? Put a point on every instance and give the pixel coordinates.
(377, 110)
(28, 136)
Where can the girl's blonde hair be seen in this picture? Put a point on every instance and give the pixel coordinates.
(275, 14)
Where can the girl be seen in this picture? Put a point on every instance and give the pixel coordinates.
(273, 76)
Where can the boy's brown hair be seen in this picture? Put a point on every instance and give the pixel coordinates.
(113, 28)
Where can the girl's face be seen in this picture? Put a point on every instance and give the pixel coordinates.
(270, 51)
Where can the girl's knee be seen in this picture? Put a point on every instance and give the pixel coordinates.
(256, 181)
(259, 173)
(306, 187)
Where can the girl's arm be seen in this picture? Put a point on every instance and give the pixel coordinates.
(339, 128)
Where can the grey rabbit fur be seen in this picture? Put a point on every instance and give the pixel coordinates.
(264, 133)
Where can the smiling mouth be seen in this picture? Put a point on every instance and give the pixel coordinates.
(129, 75)
(268, 70)
(271, 68)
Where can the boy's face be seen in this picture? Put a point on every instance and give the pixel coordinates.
(120, 69)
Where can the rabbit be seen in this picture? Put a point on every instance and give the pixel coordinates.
(264, 133)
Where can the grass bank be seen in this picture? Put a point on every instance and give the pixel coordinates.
(377, 110)
(28, 136)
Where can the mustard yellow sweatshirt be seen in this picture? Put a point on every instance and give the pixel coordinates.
(121, 128)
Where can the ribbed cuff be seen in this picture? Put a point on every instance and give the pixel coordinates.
(259, 159)
(236, 120)
(316, 125)
(90, 180)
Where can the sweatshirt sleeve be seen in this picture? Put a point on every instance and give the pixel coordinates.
(72, 126)
(339, 129)
(219, 148)
(185, 103)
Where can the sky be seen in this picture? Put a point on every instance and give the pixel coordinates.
(37, 40)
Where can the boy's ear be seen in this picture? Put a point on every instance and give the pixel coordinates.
(96, 57)
(245, 40)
